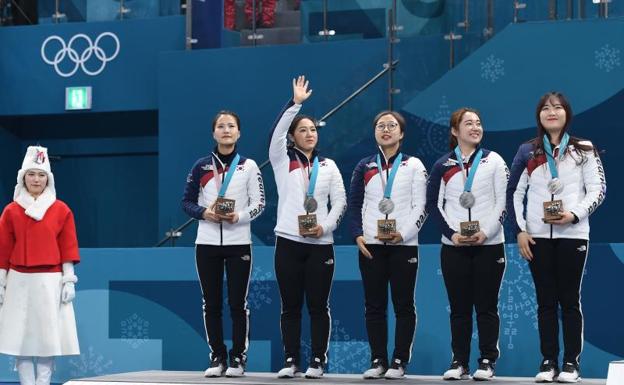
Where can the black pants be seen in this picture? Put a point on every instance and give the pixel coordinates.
(473, 276)
(557, 270)
(211, 261)
(397, 266)
(306, 270)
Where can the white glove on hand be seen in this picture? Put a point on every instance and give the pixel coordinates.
(68, 293)
(3, 274)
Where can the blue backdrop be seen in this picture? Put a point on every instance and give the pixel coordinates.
(140, 309)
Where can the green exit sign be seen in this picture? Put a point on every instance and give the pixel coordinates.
(78, 98)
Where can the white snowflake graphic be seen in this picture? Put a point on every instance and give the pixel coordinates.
(259, 289)
(259, 292)
(134, 330)
(607, 58)
(89, 364)
(492, 68)
(517, 296)
(346, 354)
(436, 131)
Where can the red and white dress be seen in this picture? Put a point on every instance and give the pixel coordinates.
(33, 320)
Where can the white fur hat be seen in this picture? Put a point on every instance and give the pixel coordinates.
(36, 158)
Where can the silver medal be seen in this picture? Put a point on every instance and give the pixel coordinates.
(309, 204)
(386, 206)
(466, 199)
(555, 186)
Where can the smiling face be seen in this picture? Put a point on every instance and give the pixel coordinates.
(35, 181)
(553, 116)
(388, 132)
(469, 131)
(305, 135)
(225, 130)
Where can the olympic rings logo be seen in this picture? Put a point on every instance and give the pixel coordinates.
(79, 61)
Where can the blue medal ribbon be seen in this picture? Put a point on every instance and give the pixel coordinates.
(473, 169)
(395, 168)
(552, 166)
(313, 175)
(228, 176)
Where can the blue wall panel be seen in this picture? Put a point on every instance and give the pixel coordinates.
(140, 309)
(129, 82)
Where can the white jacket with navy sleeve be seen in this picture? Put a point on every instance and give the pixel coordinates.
(246, 188)
(446, 184)
(290, 185)
(408, 196)
(584, 182)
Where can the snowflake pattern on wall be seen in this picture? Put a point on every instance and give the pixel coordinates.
(347, 355)
(492, 68)
(607, 58)
(259, 289)
(89, 364)
(436, 131)
(517, 297)
(135, 330)
(259, 292)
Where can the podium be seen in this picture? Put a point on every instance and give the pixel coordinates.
(615, 376)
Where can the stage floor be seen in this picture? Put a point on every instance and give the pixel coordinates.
(158, 377)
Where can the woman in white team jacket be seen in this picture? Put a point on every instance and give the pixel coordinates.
(386, 210)
(563, 181)
(224, 192)
(304, 254)
(466, 196)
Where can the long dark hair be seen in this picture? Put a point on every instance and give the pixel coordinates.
(538, 143)
(456, 118)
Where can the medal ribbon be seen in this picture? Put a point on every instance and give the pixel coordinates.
(387, 187)
(309, 181)
(222, 188)
(552, 162)
(473, 170)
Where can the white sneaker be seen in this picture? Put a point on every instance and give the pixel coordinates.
(395, 371)
(216, 369)
(376, 371)
(236, 368)
(456, 372)
(315, 370)
(548, 372)
(569, 373)
(290, 370)
(485, 371)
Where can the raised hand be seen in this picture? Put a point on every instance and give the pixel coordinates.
(300, 89)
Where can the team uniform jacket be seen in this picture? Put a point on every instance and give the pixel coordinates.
(584, 190)
(246, 188)
(31, 246)
(408, 195)
(291, 188)
(446, 184)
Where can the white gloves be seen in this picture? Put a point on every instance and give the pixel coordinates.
(3, 274)
(68, 292)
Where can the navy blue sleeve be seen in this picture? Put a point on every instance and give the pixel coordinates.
(355, 200)
(433, 192)
(518, 166)
(191, 193)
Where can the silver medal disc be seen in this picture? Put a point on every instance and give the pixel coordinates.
(555, 186)
(310, 205)
(386, 206)
(466, 199)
